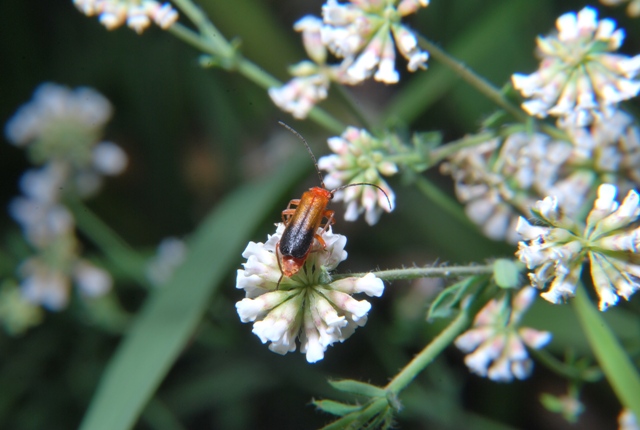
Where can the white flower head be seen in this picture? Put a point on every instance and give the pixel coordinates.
(360, 158)
(138, 14)
(302, 93)
(580, 76)
(496, 342)
(61, 128)
(91, 280)
(557, 250)
(308, 306)
(366, 34)
(499, 179)
(170, 254)
(60, 123)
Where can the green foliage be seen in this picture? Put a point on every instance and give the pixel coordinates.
(206, 162)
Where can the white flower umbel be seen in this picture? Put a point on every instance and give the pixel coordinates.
(358, 158)
(311, 79)
(60, 128)
(499, 179)
(496, 342)
(580, 76)
(557, 249)
(366, 34)
(308, 306)
(170, 254)
(63, 127)
(138, 14)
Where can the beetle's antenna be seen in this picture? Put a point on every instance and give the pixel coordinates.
(365, 183)
(313, 157)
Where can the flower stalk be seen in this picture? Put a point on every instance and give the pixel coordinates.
(437, 345)
(425, 272)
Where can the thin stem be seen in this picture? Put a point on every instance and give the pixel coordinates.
(424, 272)
(352, 106)
(113, 246)
(207, 30)
(212, 42)
(592, 374)
(484, 87)
(192, 38)
(443, 200)
(476, 81)
(444, 151)
(430, 352)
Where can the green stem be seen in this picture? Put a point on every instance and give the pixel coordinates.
(352, 106)
(445, 202)
(484, 87)
(430, 352)
(592, 374)
(207, 30)
(212, 42)
(113, 246)
(424, 272)
(444, 151)
(476, 81)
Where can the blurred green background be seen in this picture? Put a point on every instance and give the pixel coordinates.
(194, 136)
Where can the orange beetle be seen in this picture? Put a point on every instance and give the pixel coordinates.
(303, 217)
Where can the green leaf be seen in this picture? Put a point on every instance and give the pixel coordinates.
(616, 365)
(360, 418)
(443, 306)
(569, 408)
(336, 408)
(359, 388)
(170, 316)
(506, 273)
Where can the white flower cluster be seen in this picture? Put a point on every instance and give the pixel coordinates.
(496, 342)
(360, 158)
(60, 128)
(580, 77)
(309, 305)
(170, 255)
(501, 179)
(138, 14)
(364, 34)
(556, 252)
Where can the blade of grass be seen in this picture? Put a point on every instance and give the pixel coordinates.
(616, 365)
(170, 316)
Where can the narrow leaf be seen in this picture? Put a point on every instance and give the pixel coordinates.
(443, 305)
(170, 316)
(357, 387)
(336, 408)
(616, 365)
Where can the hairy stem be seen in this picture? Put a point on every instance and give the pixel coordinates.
(437, 345)
(210, 41)
(425, 272)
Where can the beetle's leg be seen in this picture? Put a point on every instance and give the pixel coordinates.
(289, 211)
(279, 265)
(328, 214)
(321, 241)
